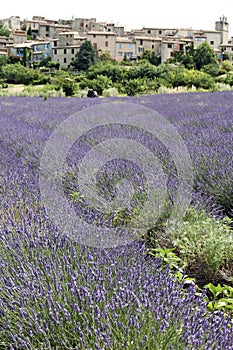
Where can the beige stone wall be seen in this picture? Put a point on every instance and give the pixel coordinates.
(213, 39)
(64, 55)
(147, 43)
(125, 48)
(103, 41)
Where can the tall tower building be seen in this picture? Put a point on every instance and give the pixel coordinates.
(223, 26)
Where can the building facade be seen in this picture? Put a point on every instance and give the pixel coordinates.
(66, 37)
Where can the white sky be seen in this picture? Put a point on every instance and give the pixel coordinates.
(198, 14)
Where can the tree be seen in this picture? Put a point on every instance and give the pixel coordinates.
(85, 57)
(100, 83)
(29, 33)
(149, 56)
(199, 79)
(4, 31)
(204, 55)
(4, 60)
(68, 86)
(212, 69)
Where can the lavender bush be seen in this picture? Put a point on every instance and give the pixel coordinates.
(55, 293)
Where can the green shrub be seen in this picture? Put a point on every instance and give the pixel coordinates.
(112, 91)
(226, 66)
(100, 83)
(18, 74)
(109, 69)
(204, 241)
(69, 87)
(200, 80)
(135, 87)
(212, 69)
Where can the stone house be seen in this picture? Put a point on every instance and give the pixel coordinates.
(45, 28)
(35, 51)
(115, 28)
(19, 50)
(171, 45)
(5, 41)
(103, 42)
(12, 23)
(155, 32)
(18, 36)
(40, 50)
(125, 47)
(66, 47)
(84, 25)
(152, 44)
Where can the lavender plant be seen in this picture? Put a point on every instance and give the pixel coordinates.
(55, 293)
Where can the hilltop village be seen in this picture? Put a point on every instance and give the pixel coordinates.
(61, 39)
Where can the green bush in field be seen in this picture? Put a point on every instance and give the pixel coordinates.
(18, 74)
(109, 69)
(69, 87)
(112, 91)
(135, 86)
(205, 241)
(199, 79)
(100, 83)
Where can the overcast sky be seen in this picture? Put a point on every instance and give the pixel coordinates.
(198, 14)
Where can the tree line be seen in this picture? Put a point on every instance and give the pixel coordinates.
(197, 68)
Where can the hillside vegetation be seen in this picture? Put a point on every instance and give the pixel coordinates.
(195, 70)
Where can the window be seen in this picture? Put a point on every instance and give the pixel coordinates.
(47, 28)
(65, 60)
(106, 36)
(169, 46)
(211, 42)
(160, 31)
(35, 48)
(200, 39)
(140, 49)
(106, 43)
(94, 35)
(130, 46)
(152, 46)
(149, 31)
(95, 46)
(65, 51)
(55, 52)
(55, 43)
(141, 42)
(119, 46)
(72, 51)
(120, 53)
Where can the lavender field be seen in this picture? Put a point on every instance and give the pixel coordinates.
(58, 294)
